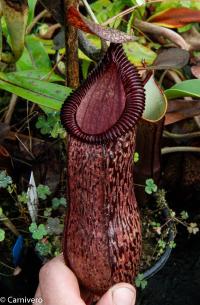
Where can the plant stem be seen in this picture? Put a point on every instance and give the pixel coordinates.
(159, 30)
(11, 109)
(90, 12)
(8, 223)
(189, 135)
(168, 150)
(25, 147)
(7, 266)
(47, 77)
(71, 45)
(35, 20)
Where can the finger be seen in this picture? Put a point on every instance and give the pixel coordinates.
(38, 297)
(58, 284)
(119, 294)
(38, 293)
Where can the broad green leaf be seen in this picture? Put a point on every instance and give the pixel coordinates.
(37, 91)
(48, 45)
(37, 85)
(136, 53)
(4, 27)
(31, 5)
(185, 88)
(29, 59)
(38, 54)
(84, 67)
(34, 55)
(25, 62)
(39, 74)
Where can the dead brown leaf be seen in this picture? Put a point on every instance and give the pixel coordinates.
(196, 71)
(181, 109)
(171, 58)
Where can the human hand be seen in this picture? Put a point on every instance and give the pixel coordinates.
(59, 286)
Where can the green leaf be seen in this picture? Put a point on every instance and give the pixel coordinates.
(43, 191)
(172, 244)
(34, 55)
(185, 88)
(42, 229)
(23, 197)
(136, 53)
(38, 232)
(140, 281)
(40, 92)
(44, 248)
(39, 86)
(85, 66)
(136, 157)
(37, 235)
(193, 228)
(54, 226)
(184, 215)
(5, 180)
(150, 186)
(25, 62)
(167, 4)
(33, 227)
(2, 235)
(43, 124)
(47, 212)
(29, 59)
(186, 28)
(161, 244)
(58, 130)
(50, 124)
(31, 11)
(42, 75)
(56, 202)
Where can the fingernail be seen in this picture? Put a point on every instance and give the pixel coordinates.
(123, 296)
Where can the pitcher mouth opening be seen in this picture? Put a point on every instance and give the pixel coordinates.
(108, 104)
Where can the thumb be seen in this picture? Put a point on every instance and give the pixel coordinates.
(119, 294)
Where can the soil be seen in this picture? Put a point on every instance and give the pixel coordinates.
(178, 282)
